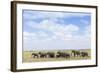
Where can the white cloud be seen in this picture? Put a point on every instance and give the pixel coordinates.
(40, 35)
(28, 34)
(59, 30)
(58, 36)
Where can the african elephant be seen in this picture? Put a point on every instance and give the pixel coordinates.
(34, 55)
(62, 55)
(75, 53)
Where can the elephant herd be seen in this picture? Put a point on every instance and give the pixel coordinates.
(76, 53)
(59, 54)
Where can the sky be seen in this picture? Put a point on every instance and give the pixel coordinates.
(53, 30)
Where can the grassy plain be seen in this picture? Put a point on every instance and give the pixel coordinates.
(27, 57)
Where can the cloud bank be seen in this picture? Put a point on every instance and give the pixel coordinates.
(56, 30)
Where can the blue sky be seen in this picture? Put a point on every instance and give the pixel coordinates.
(56, 30)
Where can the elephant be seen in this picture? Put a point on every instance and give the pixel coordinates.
(34, 55)
(75, 53)
(42, 55)
(51, 54)
(62, 55)
(84, 54)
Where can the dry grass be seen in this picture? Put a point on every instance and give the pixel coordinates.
(28, 58)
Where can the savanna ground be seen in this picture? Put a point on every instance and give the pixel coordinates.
(27, 56)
